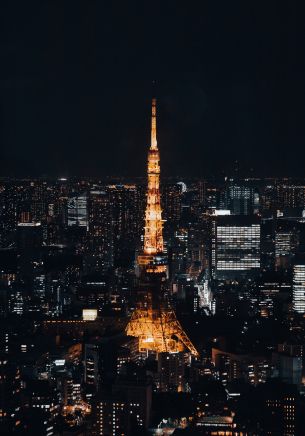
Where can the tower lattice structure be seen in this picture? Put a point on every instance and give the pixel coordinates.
(153, 237)
(154, 322)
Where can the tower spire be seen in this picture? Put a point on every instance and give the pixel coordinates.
(153, 237)
(153, 143)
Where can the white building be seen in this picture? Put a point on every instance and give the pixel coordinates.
(298, 287)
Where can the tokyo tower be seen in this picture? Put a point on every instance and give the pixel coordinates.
(154, 322)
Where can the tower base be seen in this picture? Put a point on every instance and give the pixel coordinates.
(159, 330)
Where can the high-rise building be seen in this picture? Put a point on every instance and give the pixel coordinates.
(77, 211)
(100, 251)
(289, 368)
(8, 215)
(298, 286)
(280, 409)
(286, 244)
(171, 368)
(127, 208)
(38, 200)
(91, 361)
(281, 195)
(10, 398)
(290, 195)
(16, 302)
(29, 236)
(241, 199)
(233, 366)
(235, 247)
(125, 409)
(268, 244)
(72, 392)
(171, 197)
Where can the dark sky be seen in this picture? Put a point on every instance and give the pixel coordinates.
(76, 86)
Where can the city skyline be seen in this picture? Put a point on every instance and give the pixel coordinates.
(152, 219)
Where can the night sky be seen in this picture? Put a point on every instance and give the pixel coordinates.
(76, 87)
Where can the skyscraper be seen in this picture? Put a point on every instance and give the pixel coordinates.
(287, 239)
(171, 196)
(241, 199)
(298, 287)
(127, 206)
(235, 247)
(77, 210)
(100, 254)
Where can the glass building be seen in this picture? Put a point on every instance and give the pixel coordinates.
(241, 199)
(77, 211)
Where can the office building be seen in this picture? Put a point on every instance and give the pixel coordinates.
(241, 199)
(235, 247)
(100, 250)
(298, 286)
(77, 211)
(124, 410)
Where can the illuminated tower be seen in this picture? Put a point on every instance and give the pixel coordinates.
(153, 239)
(154, 322)
(152, 259)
